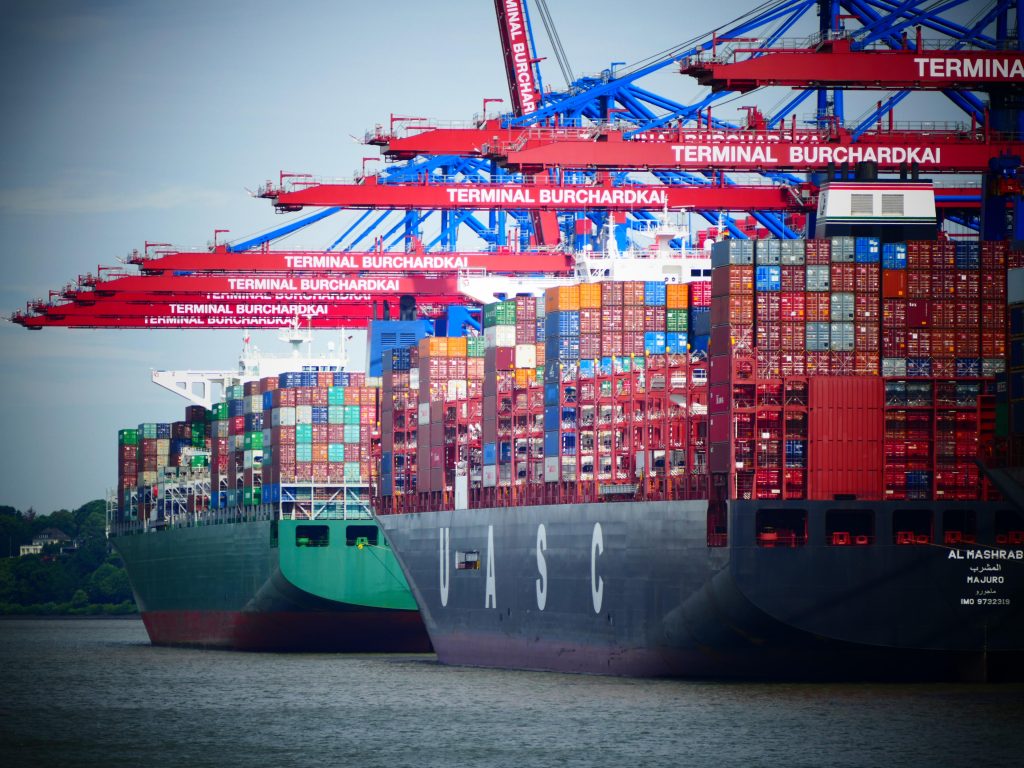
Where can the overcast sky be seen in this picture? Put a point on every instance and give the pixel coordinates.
(127, 121)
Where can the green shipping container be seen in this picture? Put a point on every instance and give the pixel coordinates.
(128, 437)
(304, 434)
(351, 433)
(199, 461)
(254, 440)
(352, 472)
(335, 414)
(677, 320)
(500, 313)
(351, 414)
(336, 396)
(303, 451)
(220, 412)
(475, 346)
(335, 452)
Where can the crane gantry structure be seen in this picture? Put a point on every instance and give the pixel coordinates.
(605, 150)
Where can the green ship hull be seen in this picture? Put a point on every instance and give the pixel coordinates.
(262, 585)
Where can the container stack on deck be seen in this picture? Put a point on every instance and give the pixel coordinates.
(884, 385)
(294, 440)
(579, 389)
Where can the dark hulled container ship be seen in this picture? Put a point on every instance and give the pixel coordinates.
(804, 500)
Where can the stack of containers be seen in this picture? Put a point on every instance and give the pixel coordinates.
(817, 306)
(499, 377)
(866, 314)
(562, 365)
(1014, 390)
(731, 367)
(153, 455)
(127, 470)
(252, 443)
(219, 437)
(398, 428)
(442, 380)
(699, 325)
(655, 319)
(768, 307)
(793, 304)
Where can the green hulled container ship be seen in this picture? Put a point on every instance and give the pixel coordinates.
(247, 525)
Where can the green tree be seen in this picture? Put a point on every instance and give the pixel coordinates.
(109, 584)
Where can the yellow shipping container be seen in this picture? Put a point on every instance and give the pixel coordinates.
(457, 346)
(562, 298)
(590, 296)
(677, 296)
(524, 376)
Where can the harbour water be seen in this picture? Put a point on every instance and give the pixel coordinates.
(95, 693)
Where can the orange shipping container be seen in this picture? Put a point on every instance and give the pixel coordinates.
(562, 298)
(457, 346)
(894, 283)
(677, 296)
(590, 296)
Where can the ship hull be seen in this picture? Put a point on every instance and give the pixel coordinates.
(634, 589)
(252, 586)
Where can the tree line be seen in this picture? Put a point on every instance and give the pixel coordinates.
(87, 580)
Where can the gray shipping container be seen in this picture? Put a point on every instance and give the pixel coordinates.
(768, 252)
(842, 248)
(842, 337)
(793, 252)
(732, 252)
(894, 366)
(818, 337)
(818, 278)
(842, 307)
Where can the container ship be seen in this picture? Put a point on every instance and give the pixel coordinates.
(788, 471)
(247, 525)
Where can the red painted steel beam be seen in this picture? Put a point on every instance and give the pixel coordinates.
(220, 308)
(756, 151)
(90, 299)
(278, 285)
(426, 140)
(321, 263)
(835, 65)
(35, 323)
(544, 197)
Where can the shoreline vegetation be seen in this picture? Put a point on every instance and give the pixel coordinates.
(79, 575)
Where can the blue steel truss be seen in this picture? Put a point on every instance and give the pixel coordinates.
(616, 96)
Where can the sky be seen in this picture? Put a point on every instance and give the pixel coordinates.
(128, 121)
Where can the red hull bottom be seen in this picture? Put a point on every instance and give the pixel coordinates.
(345, 632)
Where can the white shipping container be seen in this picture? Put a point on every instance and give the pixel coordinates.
(526, 356)
(253, 404)
(303, 414)
(551, 465)
(456, 389)
(424, 414)
(490, 476)
(414, 378)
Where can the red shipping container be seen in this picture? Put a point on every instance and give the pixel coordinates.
(919, 284)
(944, 314)
(894, 283)
(590, 321)
(993, 255)
(792, 307)
(611, 344)
(818, 307)
(590, 346)
(867, 278)
(732, 279)
(842, 363)
(767, 306)
(943, 342)
(844, 277)
(818, 252)
(993, 315)
(919, 313)
(736, 310)
(792, 337)
(845, 431)
(967, 285)
(632, 317)
(792, 364)
(505, 358)
(611, 319)
(866, 308)
(967, 343)
(769, 363)
(700, 293)
(993, 285)
(866, 337)
(919, 343)
(919, 254)
(993, 344)
(943, 285)
(867, 363)
(654, 319)
(794, 278)
(611, 294)
(769, 336)
(818, 364)
(633, 343)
